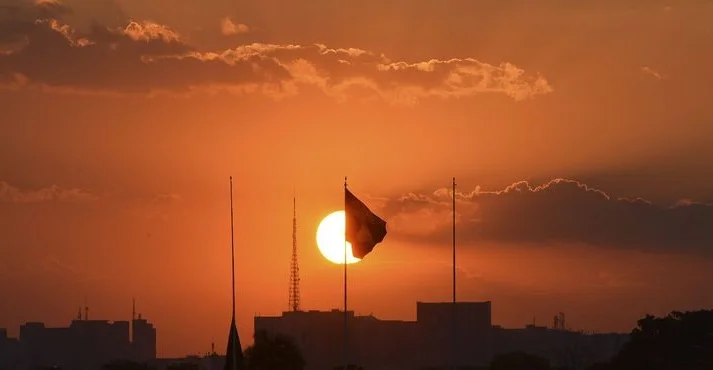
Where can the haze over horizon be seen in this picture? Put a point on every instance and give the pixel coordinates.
(579, 134)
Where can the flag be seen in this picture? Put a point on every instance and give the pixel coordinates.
(234, 353)
(364, 229)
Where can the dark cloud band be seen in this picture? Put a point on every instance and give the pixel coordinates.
(560, 211)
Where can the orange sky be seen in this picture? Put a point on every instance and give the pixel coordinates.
(121, 121)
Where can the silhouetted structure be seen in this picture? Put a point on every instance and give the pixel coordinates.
(472, 334)
(234, 352)
(294, 302)
(143, 339)
(11, 356)
(376, 344)
(426, 342)
(677, 341)
(559, 321)
(562, 348)
(84, 344)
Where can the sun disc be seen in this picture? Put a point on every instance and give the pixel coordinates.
(330, 239)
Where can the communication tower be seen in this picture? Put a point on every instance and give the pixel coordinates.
(294, 266)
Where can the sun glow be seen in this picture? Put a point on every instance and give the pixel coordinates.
(330, 239)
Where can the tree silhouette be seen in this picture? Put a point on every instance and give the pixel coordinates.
(277, 352)
(519, 361)
(676, 342)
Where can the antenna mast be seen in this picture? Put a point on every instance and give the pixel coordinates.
(232, 246)
(294, 266)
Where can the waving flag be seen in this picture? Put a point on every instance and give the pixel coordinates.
(364, 229)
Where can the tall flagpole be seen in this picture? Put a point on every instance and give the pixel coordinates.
(345, 277)
(454, 341)
(232, 268)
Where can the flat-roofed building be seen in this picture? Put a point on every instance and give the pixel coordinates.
(388, 344)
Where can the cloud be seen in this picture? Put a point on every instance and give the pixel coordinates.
(48, 2)
(149, 32)
(146, 57)
(10, 194)
(46, 266)
(560, 211)
(652, 72)
(157, 207)
(50, 264)
(228, 28)
(166, 198)
(19, 11)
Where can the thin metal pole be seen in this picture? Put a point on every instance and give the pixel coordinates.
(454, 341)
(346, 337)
(232, 269)
(232, 244)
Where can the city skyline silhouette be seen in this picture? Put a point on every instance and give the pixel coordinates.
(524, 316)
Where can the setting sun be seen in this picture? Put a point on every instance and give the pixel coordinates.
(330, 239)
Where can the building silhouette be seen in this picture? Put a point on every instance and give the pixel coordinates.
(564, 348)
(376, 344)
(388, 344)
(83, 345)
(10, 353)
(143, 340)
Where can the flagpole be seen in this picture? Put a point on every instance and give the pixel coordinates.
(454, 341)
(345, 276)
(232, 269)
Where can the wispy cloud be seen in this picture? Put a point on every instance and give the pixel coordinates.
(652, 72)
(11, 194)
(166, 198)
(145, 57)
(228, 27)
(156, 207)
(50, 264)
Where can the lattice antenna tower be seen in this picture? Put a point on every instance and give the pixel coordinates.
(294, 266)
